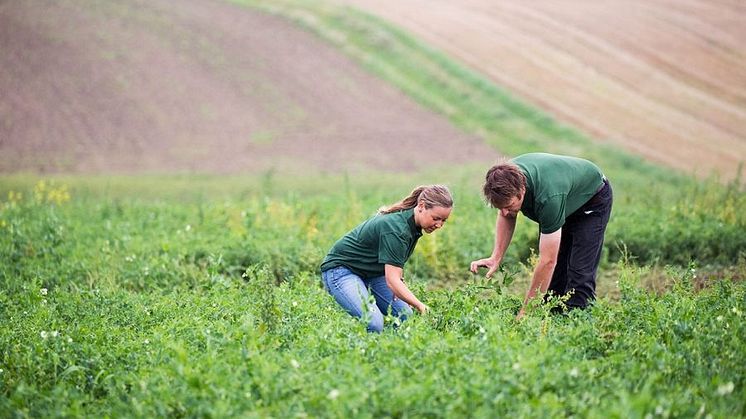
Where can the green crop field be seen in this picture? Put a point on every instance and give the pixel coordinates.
(121, 298)
(199, 296)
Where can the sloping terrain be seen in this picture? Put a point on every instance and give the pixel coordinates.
(665, 79)
(93, 86)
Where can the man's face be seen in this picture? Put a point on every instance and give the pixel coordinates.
(511, 209)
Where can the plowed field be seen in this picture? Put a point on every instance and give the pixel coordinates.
(91, 86)
(665, 79)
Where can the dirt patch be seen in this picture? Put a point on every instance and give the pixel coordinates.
(665, 79)
(93, 86)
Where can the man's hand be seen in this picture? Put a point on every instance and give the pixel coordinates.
(521, 313)
(488, 263)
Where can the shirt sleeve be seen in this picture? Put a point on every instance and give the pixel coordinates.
(552, 213)
(392, 250)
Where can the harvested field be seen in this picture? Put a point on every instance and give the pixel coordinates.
(664, 79)
(203, 86)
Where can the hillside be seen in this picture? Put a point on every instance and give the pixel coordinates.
(663, 79)
(200, 86)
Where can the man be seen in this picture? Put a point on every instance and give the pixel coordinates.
(571, 200)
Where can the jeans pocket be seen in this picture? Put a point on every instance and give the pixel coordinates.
(332, 276)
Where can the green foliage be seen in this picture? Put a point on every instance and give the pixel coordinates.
(123, 306)
(705, 222)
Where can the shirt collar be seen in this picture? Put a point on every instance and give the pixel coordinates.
(409, 215)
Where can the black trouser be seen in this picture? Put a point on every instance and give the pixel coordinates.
(580, 250)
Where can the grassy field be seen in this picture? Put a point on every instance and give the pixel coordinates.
(199, 295)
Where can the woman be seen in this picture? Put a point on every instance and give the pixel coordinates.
(371, 257)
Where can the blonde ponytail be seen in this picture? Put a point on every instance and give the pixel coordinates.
(432, 196)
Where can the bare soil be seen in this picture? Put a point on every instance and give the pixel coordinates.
(665, 79)
(133, 86)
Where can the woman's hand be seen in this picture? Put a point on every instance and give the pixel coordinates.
(489, 263)
(422, 308)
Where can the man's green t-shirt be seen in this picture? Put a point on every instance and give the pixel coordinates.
(385, 239)
(556, 186)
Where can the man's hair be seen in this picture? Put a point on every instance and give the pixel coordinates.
(503, 182)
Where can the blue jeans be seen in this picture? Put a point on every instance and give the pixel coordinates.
(351, 292)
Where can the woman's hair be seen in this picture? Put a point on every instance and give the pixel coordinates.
(432, 196)
(503, 182)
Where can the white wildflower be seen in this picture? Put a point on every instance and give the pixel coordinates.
(295, 304)
(726, 389)
(43, 334)
(294, 363)
(54, 334)
(188, 227)
(43, 291)
(720, 318)
(69, 340)
(574, 372)
(146, 341)
(333, 394)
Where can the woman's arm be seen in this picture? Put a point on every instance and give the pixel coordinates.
(400, 289)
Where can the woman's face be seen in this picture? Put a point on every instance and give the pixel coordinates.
(431, 219)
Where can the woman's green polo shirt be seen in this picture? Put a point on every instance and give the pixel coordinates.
(384, 239)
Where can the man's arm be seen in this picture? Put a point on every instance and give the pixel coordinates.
(548, 249)
(504, 228)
